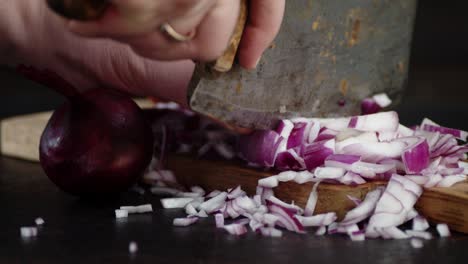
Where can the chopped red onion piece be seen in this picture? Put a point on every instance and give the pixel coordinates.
(231, 212)
(329, 172)
(270, 219)
(370, 170)
(243, 221)
(284, 128)
(393, 206)
(393, 232)
(419, 234)
(294, 209)
(299, 135)
(460, 134)
(419, 179)
(375, 151)
(140, 209)
(119, 213)
(201, 214)
(416, 243)
(245, 203)
(361, 138)
(433, 167)
(314, 132)
(28, 231)
(190, 210)
(398, 164)
(411, 215)
(416, 156)
(448, 181)
(326, 134)
(235, 229)
(336, 124)
(267, 193)
(289, 159)
(433, 180)
(379, 122)
(364, 209)
(186, 221)
(369, 106)
(39, 221)
(197, 189)
(443, 146)
(213, 194)
(405, 131)
(341, 161)
(219, 219)
(355, 200)
(351, 178)
(286, 176)
(255, 225)
(269, 182)
(333, 228)
(171, 203)
(164, 191)
(188, 194)
(382, 100)
(132, 247)
(224, 150)
(303, 177)
(271, 232)
(261, 147)
(317, 220)
(314, 154)
(357, 235)
(285, 213)
(312, 200)
(352, 133)
(321, 231)
(431, 137)
(214, 203)
(420, 223)
(236, 192)
(443, 230)
(463, 165)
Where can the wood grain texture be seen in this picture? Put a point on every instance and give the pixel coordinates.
(440, 205)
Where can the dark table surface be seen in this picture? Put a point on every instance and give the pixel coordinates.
(79, 231)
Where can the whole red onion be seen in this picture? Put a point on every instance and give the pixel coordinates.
(98, 142)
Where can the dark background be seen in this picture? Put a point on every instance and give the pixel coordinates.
(438, 77)
(80, 232)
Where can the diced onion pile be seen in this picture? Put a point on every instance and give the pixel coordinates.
(348, 150)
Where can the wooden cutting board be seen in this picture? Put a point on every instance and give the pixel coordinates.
(20, 138)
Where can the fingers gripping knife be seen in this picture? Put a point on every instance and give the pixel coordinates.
(327, 57)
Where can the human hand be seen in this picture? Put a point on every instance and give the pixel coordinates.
(211, 22)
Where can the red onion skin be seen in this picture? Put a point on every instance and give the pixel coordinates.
(98, 142)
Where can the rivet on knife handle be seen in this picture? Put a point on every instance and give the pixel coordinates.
(79, 9)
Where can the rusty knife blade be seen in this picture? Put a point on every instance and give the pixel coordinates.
(327, 57)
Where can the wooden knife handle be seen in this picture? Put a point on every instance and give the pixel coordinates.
(93, 9)
(225, 62)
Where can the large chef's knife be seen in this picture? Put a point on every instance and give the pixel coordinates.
(327, 57)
